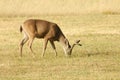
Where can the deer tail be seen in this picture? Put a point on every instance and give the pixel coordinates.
(21, 29)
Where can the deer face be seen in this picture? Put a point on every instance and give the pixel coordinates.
(69, 48)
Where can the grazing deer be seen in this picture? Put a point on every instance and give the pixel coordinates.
(35, 28)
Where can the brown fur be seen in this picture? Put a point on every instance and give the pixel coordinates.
(42, 29)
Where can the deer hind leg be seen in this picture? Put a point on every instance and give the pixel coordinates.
(53, 46)
(30, 44)
(23, 41)
(44, 46)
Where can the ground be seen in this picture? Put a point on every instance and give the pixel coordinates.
(97, 59)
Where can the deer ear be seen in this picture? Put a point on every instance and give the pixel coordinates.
(77, 41)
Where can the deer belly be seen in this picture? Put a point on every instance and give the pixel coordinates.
(42, 35)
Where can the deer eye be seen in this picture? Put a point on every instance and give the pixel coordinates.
(69, 46)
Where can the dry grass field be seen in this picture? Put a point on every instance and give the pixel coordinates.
(97, 59)
(55, 7)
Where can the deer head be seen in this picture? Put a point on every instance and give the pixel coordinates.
(68, 48)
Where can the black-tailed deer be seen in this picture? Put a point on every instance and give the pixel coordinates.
(35, 28)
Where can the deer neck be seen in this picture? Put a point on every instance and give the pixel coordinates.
(62, 40)
(65, 44)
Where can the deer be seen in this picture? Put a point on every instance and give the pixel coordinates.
(49, 31)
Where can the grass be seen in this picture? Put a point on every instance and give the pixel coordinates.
(97, 59)
(45, 7)
(110, 13)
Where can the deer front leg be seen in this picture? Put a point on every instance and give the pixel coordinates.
(44, 47)
(53, 46)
